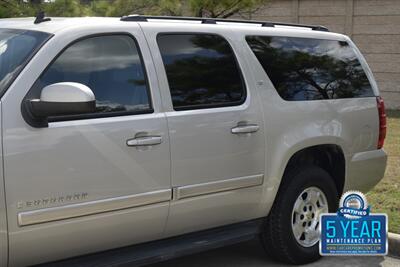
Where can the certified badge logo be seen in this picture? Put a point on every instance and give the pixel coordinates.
(353, 205)
(353, 230)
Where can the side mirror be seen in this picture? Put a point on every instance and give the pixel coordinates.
(60, 99)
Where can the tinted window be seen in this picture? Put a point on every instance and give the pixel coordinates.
(202, 71)
(109, 65)
(16, 47)
(310, 69)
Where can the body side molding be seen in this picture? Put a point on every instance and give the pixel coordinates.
(183, 192)
(93, 207)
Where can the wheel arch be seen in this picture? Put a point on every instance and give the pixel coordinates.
(329, 157)
(302, 153)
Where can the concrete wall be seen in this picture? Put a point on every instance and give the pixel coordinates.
(374, 25)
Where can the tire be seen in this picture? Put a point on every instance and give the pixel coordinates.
(278, 236)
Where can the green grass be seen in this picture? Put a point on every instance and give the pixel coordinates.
(385, 197)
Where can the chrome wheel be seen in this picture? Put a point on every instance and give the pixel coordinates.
(305, 216)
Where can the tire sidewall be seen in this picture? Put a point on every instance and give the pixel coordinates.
(299, 181)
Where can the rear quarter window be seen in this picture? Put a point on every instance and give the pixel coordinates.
(311, 69)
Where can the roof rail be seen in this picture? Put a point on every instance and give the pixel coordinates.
(141, 18)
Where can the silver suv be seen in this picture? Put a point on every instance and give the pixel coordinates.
(138, 139)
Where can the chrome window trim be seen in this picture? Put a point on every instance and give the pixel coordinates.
(93, 207)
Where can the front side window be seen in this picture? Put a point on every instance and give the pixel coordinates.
(202, 71)
(16, 47)
(110, 66)
(311, 69)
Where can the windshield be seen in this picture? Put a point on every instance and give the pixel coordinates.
(16, 48)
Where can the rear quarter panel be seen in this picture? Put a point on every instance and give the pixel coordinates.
(291, 126)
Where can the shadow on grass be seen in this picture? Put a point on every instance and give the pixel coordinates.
(393, 113)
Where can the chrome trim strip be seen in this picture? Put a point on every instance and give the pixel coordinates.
(93, 207)
(218, 186)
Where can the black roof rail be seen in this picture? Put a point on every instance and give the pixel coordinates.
(141, 18)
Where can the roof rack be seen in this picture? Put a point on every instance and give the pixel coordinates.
(141, 18)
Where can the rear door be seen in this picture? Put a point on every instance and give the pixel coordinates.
(215, 126)
(78, 186)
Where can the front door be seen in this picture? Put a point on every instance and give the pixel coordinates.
(215, 127)
(84, 183)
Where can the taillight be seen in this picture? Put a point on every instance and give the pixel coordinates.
(382, 121)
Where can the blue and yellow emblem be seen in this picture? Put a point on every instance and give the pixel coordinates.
(353, 230)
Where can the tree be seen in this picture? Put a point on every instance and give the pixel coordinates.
(65, 8)
(155, 7)
(12, 8)
(222, 8)
(117, 8)
(99, 8)
(198, 8)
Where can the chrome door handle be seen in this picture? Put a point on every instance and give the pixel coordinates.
(243, 129)
(144, 141)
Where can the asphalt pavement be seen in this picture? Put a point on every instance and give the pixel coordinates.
(250, 254)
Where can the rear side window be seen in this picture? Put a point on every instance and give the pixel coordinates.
(202, 71)
(311, 69)
(111, 66)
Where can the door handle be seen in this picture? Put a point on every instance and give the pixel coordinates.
(243, 129)
(144, 141)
